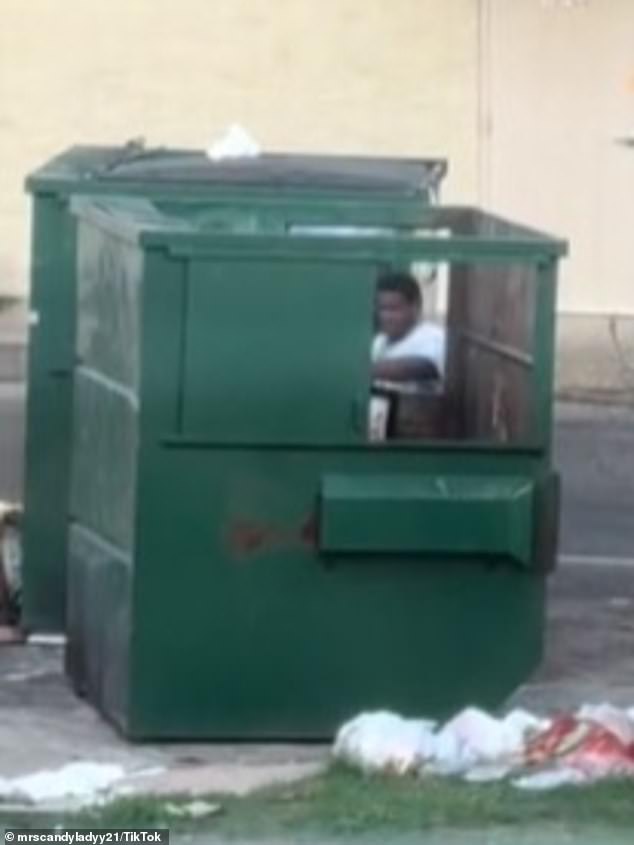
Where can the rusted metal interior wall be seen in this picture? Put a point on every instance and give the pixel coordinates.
(490, 361)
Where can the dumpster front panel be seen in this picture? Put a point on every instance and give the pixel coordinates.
(279, 640)
(297, 369)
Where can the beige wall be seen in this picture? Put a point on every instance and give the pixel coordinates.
(373, 76)
(558, 92)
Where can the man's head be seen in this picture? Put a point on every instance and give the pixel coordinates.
(398, 304)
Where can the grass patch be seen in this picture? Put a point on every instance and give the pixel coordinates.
(343, 803)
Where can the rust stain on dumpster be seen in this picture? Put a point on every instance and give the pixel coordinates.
(248, 537)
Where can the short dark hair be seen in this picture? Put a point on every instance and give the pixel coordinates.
(403, 283)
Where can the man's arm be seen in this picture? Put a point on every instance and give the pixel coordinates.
(413, 368)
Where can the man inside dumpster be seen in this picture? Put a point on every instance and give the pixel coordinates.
(408, 354)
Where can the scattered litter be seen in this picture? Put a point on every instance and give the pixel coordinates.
(585, 745)
(385, 742)
(235, 143)
(552, 779)
(84, 781)
(20, 677)
(47, 639)
(487, 773)
(595, 743)
(74, 786)
(474, 739)
(193, 810)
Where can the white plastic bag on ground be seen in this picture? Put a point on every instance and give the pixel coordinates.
(477, 743)
(385, 742)
(235, 143)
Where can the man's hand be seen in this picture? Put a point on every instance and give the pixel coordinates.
(405, 369)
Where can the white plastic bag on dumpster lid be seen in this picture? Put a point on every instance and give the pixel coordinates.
(384, 742)
(234, 144)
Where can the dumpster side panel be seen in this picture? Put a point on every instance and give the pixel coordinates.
(105, 454)
(52, 295)
(106, 387)
(46, 487)
(104, 461)
(108, 297)
(99, 622)
(277, 640)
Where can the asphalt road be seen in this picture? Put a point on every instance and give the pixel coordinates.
(594, 449)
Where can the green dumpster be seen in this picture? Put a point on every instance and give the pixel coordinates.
(369, 189)
(245, 561)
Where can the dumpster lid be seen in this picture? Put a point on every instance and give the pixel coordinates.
(136, 163)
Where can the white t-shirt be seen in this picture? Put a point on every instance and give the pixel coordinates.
(425, 340)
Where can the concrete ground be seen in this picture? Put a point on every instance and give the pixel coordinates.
(43, 725)
(590, 640)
